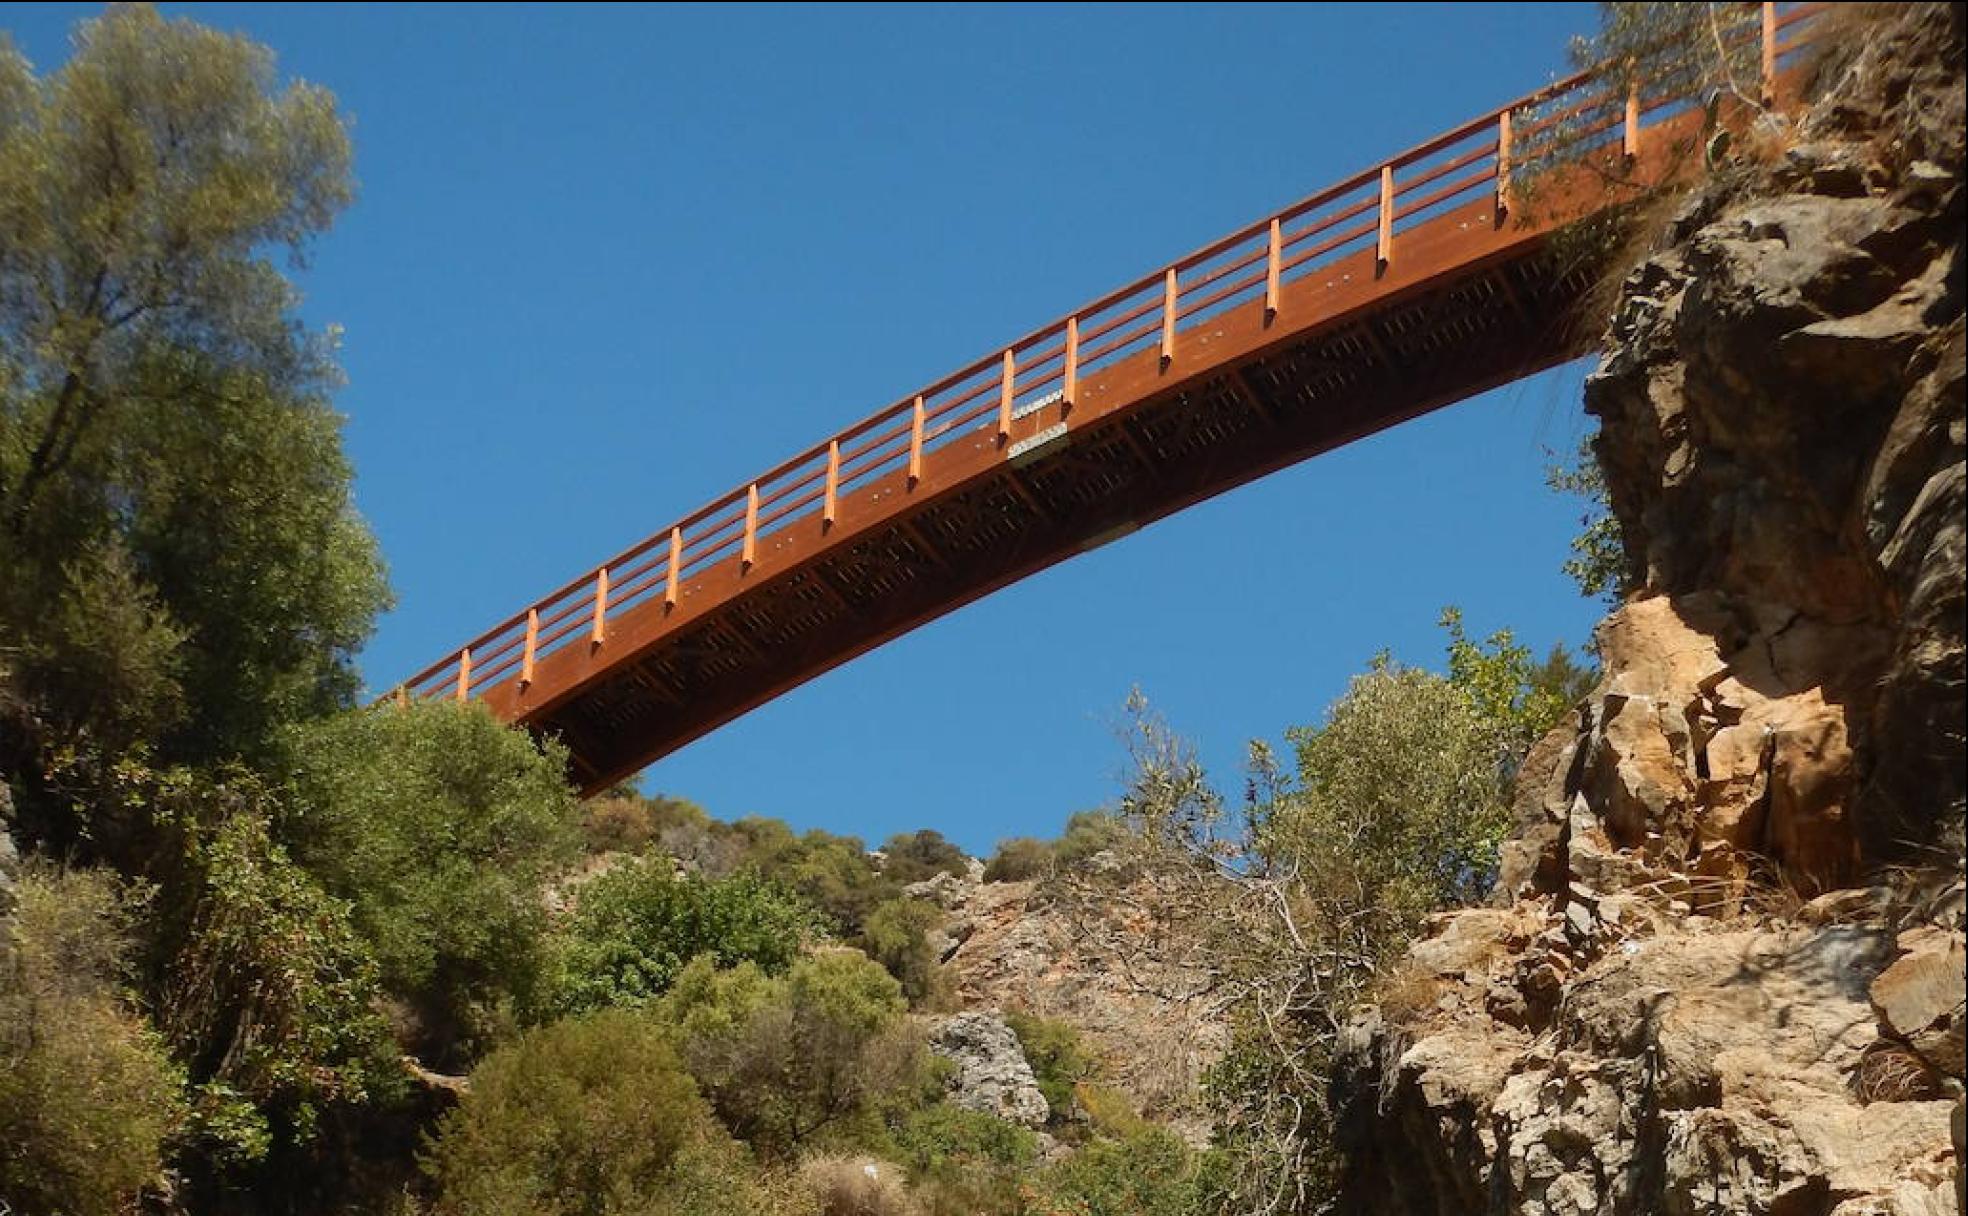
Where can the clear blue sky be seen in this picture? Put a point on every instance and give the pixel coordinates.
(609, 261)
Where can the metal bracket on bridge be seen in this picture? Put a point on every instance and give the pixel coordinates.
(1028, 449)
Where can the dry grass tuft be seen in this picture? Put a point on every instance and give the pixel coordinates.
(1889, 1072)
(857, 1186)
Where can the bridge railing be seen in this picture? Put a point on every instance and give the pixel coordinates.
(1490, 157)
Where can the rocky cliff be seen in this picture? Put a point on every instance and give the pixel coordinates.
(1726, 969)
(1135, 987)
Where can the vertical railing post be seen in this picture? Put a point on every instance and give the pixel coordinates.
(1769, 54)
(915, 441)
(1503, 166)
(598, 633)
(1168, 315)
(1630, 130)
(1069, 384)
(532, 647)
(748, 550)
(676, 568)
(464, 674)
(1273, 263)
(402, 697)
(830, 502)
(1004, 398)
(1384, 247)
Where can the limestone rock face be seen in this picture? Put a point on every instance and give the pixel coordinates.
(1691, 1068)
(1725, 972)
(1781, 408)
(1139, 995)
(992, 1073)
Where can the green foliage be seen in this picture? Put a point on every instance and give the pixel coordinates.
(1677, 49)
(168, 467)
(1019, 859)
(897, 936)
(103, 666)
(1398, 809)
(622, 821)
(88, 1096)
(635, 928)
(835, 873)
(265, 988)
(1059, 1059)
(440, 826)
(1598, 563)
(587, 1117)
(1523, 700)
(914, 856)
(785, 1059)
(1088, 833)
(1150, 1173)
(965, 1162)
(1393, 808)
(941, 1134)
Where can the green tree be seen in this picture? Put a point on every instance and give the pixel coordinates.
(1392, 808)
(623, 821)
(587, 1117)
(1398, 810)
(636, 927)
(790, 1059)
(440, 826)
(836, 874)
(1520, 698)
(914, 856)
(897, 936)
(179, 563)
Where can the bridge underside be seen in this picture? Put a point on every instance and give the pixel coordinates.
(1443, 341)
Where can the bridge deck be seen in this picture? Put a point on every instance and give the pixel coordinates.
(1418, 283)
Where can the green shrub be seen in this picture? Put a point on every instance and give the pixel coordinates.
(1058, 1058)
(897, 937)
(818, 1052)
(1087, 833)
(836, 873)
(88, 1096)
(1019, 859)
(1150, 1173)
(914, 856)
(964, 1162)
(636, 927)
(587, 1117)
(440, 827)
(1400, 808)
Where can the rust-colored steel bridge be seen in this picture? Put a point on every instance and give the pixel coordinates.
(1420, 282)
